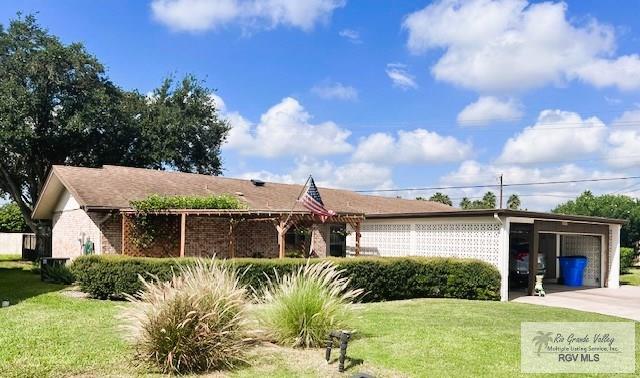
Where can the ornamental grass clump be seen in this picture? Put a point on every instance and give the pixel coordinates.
(193, 323)
(301, 308)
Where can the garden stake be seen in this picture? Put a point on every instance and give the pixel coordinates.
(344, 337)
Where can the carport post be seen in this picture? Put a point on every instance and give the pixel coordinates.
(534, 245)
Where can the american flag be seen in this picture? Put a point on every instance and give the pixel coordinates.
(311, 200)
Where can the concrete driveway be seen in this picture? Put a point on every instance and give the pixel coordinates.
(623, 302)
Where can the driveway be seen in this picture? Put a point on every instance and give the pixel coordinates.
(623, 302)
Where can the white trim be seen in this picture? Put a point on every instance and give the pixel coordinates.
(504, 260)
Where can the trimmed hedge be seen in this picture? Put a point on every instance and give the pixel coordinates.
(381, 278)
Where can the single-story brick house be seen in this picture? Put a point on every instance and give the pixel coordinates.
(93, 204)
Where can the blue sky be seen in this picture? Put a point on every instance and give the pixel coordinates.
(390, 94)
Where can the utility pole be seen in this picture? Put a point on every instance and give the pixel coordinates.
(500, 190)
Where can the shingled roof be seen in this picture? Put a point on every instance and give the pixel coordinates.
(114, 187)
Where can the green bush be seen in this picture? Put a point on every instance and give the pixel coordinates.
(381, 278)
(57, 273)
(300, 309)
(627, 258)
(195, 322)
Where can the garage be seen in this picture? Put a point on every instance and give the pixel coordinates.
(546, 242)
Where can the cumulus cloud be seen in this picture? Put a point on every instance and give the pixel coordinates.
(285, 129)
(335, 90)
(400, 76)
(498, 46)
(489, 109)
(624, 150)
(350, 35)
(542, 198)
(556, 135)
(415, 146)
(353, 175)
(202, 15)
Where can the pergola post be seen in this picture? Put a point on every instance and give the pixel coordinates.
(282, 227)
(122, 242)
(183, 232)
(357, 229)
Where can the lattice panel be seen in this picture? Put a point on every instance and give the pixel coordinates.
(464, 240)
(584, 245)
(165, 244)
(385, 239)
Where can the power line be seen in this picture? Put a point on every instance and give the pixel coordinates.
(497, 185)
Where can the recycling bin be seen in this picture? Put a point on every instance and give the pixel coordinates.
(572, 270)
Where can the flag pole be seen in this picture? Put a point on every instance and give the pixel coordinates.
(297, 199)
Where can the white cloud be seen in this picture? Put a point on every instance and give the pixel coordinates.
(624, 151)
(328, 174)
(285, 129)
(556, 135)
(534, 197)
(489, 109)
(350, 35)
(400, 77)
(623, 72)
(330, 90)
(505, 45)
(416, 146)
(202, 15)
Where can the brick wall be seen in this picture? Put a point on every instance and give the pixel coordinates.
(166, 242)
(320, 239)
(70, 229)
(207, 236)
(256, 239)
(112, 234)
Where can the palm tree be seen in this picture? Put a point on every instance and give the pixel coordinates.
(513, 202)
(442, 198)
(542, 339)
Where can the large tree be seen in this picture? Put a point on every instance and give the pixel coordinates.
(57, 106)
(488, 201)
(442, 198)
(610, 206)
(513, 202)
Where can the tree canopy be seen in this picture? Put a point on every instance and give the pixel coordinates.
(488, 201)
(438, 197)
(609, 206)
(11, 219)
(57, 106)
(513, 202)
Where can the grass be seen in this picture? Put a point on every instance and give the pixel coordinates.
(49, 334)
(631, 278)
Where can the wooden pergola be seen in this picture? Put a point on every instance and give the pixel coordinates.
(283, 221)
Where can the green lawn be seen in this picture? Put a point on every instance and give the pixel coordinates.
(631, 278)
(49, 333)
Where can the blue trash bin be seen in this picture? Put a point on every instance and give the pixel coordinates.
(572, 269)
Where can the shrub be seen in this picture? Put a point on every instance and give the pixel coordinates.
(381, 279)
(301, 308)
(57, 273)
(192, 323)
(627, 259)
